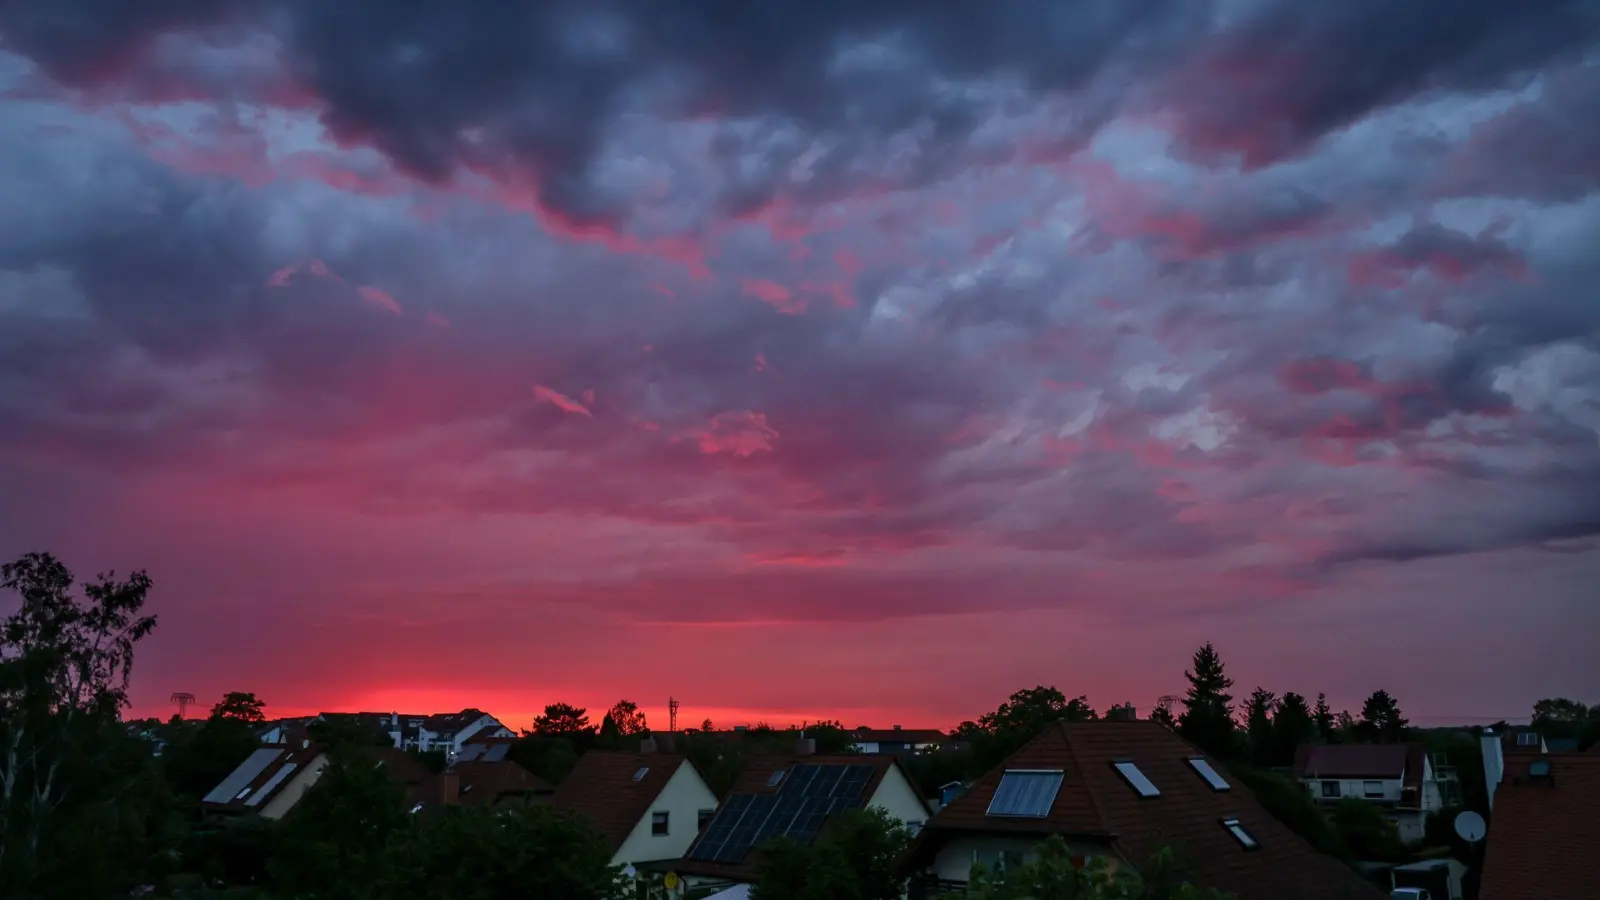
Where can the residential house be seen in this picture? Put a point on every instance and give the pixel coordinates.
(450, 731)
(1124, 791)
(498, 783)
(269, 782)
(1400, 778)
(793, 796)
(481, 748)
(647, 805)
(896, 740)
(1544, 828)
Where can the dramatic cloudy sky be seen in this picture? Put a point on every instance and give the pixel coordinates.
(868, 358)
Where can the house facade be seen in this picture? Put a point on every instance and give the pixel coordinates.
(648, 806)
(1122, 792)
(1399, 778)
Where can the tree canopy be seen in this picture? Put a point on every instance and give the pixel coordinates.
(1381, 720)
(563, 720)
(240, 706)
(854, 858)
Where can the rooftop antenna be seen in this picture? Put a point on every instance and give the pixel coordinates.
(672, 715)
(183, 699)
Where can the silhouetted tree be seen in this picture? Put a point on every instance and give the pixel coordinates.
(563, 720)
(855, 856)
(706, 726)
(1292, 726)
(1381, 720)
(74, 785)
(1323, 717)
(1207, 719)
(1018, 720)
(335, 843)
(629, 718)
(502, 854)
(241, 706)
(1258, 711)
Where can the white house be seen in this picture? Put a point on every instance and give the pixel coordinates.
(649, 806)
(793, 797)
(1400, 778)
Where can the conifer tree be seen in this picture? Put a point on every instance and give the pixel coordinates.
(1207, 719)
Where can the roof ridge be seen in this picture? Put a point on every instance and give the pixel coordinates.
(1077, 766)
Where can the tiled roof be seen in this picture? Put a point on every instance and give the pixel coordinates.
(486, 783)
(1096, 803)
(899, 735)
(260, 777)
(1352, 760)
(1543, 833)
(450, 723)
(602, 788)
(755, 778)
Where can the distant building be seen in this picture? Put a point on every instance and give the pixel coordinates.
(1122, 791)
(1399, 778)
(897, 740)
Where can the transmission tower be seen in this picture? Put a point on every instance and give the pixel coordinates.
(183, 699)
(1166, 703)
(672, 715)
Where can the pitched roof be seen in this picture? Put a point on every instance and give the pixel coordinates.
(1095, 802)
(756, 777)
(899, 735)
(1543, 833)
(602, 788)
(450, 723)
(1352, 760)
(259, 778)
(486, 783)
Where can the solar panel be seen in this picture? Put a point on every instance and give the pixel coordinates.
(240, 778)
(799, 780)
(271, 785)
(1025, 793)
(826, 782)
(854, 781)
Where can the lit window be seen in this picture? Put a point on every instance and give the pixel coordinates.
(658, 823)
(1372, 788)
(1208, 773)
(1245, 839)
(640, 773)
(1027, 793)
(776, 777)
(1136, 779)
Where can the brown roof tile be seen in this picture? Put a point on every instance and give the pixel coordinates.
(1543, 833)
(1096, 803)
(754, 778)
(602, 788)
(486, 783)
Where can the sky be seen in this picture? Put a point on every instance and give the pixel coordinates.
(864, 360)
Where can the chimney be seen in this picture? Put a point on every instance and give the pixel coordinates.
(1494, 763)
(449, 788)
(647, 745)
(805, 747)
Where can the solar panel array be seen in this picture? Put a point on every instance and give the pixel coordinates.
(807, 796)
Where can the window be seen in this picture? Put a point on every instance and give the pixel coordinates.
(1026, 792)
(1330, 790)
(658, 823)
(1209, 774)
(1136, 779)
(1528, 739)
(706, 815)
(1245, 839)
(998, 861)
(776, 777)
(1372, 789)
(639, 773)
(914, 827)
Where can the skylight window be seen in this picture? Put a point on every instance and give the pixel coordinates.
(1245, 839)
(640, 773)
(1136, 779)
(1209, 774)
(776, 777)
(1026, 793)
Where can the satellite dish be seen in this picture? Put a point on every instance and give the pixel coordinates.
(1470, 827)
(1539, 768)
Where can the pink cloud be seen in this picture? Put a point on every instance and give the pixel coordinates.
(380, 298)
(738, 432)
(761, 362)
(560, 401)
(433, 318)
(775, 295)
(282, 277)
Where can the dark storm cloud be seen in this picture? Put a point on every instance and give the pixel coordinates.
(1289, 73)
